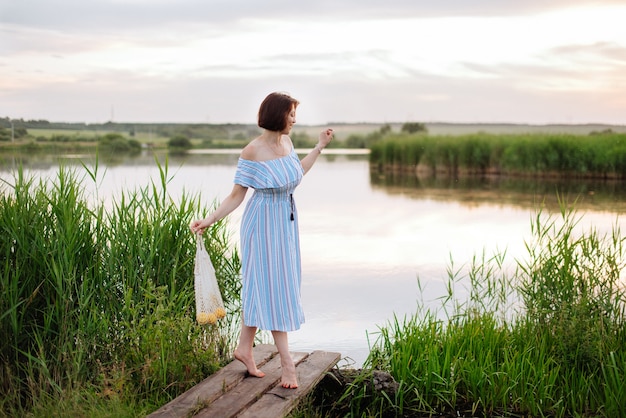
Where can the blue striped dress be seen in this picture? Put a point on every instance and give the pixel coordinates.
(270, 244)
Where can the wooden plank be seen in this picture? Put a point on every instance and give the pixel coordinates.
(248, 391)
(278, 402)
(213, 386)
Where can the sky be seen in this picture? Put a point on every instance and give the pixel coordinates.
(350, 61)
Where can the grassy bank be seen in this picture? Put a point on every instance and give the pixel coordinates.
(96, 314)
(545, 338)
(601, 155)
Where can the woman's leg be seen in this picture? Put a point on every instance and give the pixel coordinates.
(289, 379)
(243, 352)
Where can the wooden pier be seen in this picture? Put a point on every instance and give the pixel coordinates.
(229, 393)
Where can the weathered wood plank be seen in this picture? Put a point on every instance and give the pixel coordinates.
(248, 391)
(279, 401)
(227, 393)
(213, 386)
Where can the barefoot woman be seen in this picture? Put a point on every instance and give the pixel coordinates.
(270, 247)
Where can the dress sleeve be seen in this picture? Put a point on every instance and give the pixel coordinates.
(262, 174)
(243, 175)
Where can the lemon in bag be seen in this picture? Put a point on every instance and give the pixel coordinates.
(206, 318)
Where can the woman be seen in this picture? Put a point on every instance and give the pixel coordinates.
(270, 247)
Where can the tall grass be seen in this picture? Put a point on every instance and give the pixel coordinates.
(601, 155)
(545, 337)
(98, 303)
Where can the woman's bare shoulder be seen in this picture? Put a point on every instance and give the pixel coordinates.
(250, 151)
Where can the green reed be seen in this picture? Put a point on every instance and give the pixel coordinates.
(542, 338)
(532, 154)
(100, 301)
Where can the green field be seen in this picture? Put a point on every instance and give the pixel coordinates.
(161, 133)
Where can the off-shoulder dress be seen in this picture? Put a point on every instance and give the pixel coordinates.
(270, 244)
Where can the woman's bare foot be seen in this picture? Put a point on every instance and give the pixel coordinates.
(288, 380)
(248, 361)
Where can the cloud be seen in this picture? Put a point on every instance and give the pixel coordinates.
(329, 99)
(606, 52)
(193, 60)
(109, 15)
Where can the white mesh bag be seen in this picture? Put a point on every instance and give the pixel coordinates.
(209, 303)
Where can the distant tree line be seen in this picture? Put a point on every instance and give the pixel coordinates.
(182, 136)
(366, 141)
(114, 143)
(9, 131)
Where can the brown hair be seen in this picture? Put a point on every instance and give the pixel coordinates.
(274, 110)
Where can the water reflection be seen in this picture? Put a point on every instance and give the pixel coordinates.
(598, 195)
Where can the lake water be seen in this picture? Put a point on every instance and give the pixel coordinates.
(367, 238)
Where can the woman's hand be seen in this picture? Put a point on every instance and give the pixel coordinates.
(325, 137)
(199, 225)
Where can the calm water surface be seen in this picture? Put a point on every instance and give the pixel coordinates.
(366, 239)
